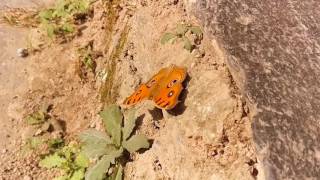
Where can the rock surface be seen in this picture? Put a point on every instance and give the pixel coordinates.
(273, 52)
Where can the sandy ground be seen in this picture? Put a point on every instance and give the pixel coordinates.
(208, 136)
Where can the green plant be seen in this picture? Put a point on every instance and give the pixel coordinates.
(69, 159)
(87, 56)
(60, 20)
(42, 121)
(109, 148)
(180, 33)
(41, 125)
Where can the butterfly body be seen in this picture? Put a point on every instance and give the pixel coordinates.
(163, 88)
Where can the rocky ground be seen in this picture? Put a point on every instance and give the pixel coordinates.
(208, 135)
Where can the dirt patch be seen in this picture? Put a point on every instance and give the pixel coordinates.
(208, 135)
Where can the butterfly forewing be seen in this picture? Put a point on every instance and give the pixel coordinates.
(144, 91)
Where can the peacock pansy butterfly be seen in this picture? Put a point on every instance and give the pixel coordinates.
(163, 88)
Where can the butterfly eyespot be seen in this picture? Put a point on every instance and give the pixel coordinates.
(172, 83)
(170, 93)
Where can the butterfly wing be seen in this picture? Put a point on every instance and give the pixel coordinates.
(167, 94)
(144, 91)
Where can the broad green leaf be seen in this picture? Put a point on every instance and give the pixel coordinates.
(135, 143)
(115, 154)
(92, 136)
(97, 150)
(78, 175)
(98, 171)
(129, 124)
(181, 29)
(112, 119)
(187, 44)
(52, 161)
(95, 143)
(82, 160)
(196, 30)
(167, 37)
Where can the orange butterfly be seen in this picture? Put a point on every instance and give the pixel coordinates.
(163, 88)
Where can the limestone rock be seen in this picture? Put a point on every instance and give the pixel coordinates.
(273, 52)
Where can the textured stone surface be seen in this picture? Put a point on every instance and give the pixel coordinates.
(273, 51)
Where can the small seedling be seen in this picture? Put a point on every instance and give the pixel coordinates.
(40, 132)
(180, 33)
(87, 60)
(108, 148)
(60, 20)
(87, 56)
(42, 121)
(69, 159)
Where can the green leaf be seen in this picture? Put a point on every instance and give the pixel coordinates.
(52, 161)
(135, 143)
(98, 171)
(167, 37)
(95, 143)
(68, 28)
(82, 160)
(50, 30)
(97, 150)
(119, 173)
(187, 44)
(60, 8)
(36, 118)
(196, 30)
(34, 142)
(112, 119)
(55, 143)
(181, 29)
(46, 15)
(92, 136)
(129, 124)
(68, 151)
(78, 175)
(87, 60)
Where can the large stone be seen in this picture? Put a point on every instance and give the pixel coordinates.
(273, 52)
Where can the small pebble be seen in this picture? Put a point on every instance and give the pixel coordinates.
(22, 52)
(4, 151)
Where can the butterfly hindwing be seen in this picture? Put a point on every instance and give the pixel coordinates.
(167, 98)
(167, 95)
